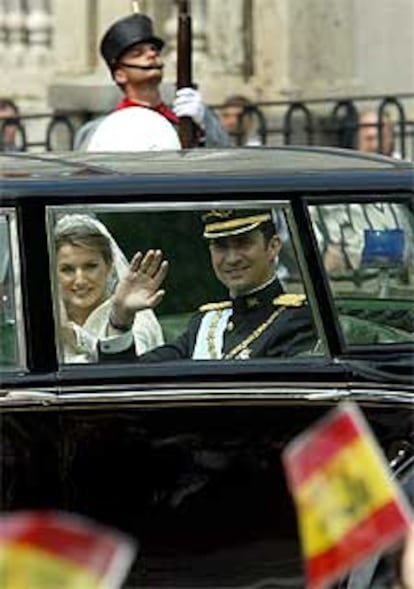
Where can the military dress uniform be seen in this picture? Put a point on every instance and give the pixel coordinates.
(264, 323)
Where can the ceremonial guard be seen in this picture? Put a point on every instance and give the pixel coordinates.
(142, 121)
(258, 320)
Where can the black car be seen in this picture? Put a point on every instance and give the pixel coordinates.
(186, 455)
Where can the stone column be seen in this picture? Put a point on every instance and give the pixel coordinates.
(74, 46)
(38, 23)
(84, 82)
(246, 48)
(384, 46)
(320, 48)
(225, 37)
(14, 23)
(26, 39)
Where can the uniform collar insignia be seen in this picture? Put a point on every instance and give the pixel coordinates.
(252, 302)
(259, 298)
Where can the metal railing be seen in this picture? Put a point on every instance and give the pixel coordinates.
(40, 131)
(329, 122)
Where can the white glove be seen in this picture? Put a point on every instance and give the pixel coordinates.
(188, 103)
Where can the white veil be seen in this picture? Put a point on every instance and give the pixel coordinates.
(70, 222)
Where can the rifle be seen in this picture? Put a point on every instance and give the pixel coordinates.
(187, 130)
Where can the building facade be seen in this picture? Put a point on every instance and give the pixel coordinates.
(267, 49)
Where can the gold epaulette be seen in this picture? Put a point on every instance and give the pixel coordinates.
(215, 306)
(290, 300)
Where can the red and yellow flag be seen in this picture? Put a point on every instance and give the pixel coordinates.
(55, 550)
(347, 503)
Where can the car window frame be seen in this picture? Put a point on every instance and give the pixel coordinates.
(336, 340)
(278, 200)
(10, 215)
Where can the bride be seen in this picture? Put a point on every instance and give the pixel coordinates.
(89, 265)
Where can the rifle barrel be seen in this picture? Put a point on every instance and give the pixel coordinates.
(187, 130)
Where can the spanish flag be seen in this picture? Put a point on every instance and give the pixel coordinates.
(55, 550)
(348, 506)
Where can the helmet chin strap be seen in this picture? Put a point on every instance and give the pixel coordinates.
(141, 67)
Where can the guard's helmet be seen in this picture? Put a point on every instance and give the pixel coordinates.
(135, 28)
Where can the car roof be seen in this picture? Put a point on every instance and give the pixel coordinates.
(56, 176)
(250, 161)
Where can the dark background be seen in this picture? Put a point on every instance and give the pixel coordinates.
(179, 234)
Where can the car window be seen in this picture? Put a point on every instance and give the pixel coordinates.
(191, 283)
(368, 254)
(11, 325)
